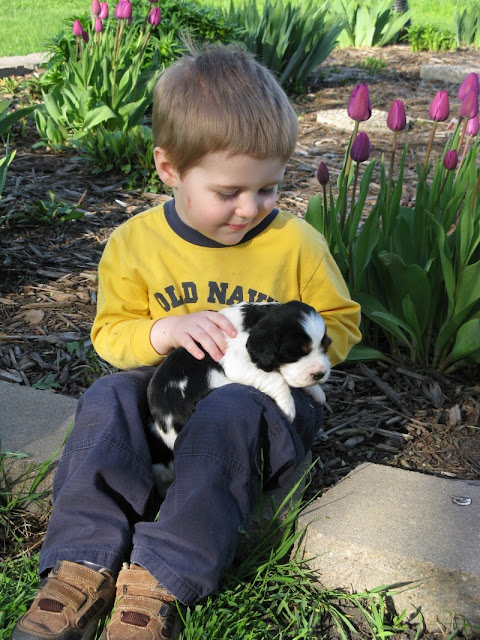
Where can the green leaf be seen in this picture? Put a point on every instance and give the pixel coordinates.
(467, 342)
(363, 353)
(97, 116)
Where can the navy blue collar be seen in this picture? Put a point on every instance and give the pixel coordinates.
(195, 237)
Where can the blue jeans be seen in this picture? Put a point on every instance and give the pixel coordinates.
(104, 498)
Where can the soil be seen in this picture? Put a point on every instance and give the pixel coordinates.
(389, 413)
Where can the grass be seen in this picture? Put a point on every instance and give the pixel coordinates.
(27, 25)
(267, 595)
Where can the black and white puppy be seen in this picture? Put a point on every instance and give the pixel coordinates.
(277, 346)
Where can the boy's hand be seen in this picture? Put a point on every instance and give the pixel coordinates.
(205, 327)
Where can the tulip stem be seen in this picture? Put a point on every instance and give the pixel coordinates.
(465, 148)
(325, 221)
(343, 212)
(390, 177)
(463, 135)
(355, 180)
(429, 148)
(473, 201)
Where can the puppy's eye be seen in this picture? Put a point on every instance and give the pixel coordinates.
(326, 342)
(306, 347)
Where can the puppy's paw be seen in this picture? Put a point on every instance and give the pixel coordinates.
(317, 393)
(288, 408)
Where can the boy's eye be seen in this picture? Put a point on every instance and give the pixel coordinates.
(231, 196)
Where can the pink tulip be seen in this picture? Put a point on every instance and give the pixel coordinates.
(98, 24)
(360, 149)
(359, 107)
(123, 10)
(77, 28)
(155, 17)
(95, 7)
(473, 127)
(103, 10)
(470, 82)
(322, 173)
(469, 105)
(450, 160)
(440, 107)
(396, 119)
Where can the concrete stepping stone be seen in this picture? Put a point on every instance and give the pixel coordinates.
(446, 72)
(382, 526)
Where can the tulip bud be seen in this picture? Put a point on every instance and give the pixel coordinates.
(469, 105)
(470, 82)
(85, 36)
(359, 107)
(439, 107)
(95, 7)
(98, 24)
(322, 173)
(103, 10)
(155, 17)
(396, 119)
(123, 10)
(77, 28)
(450, 160)
(360, 149)
(153, 1)
(473, 127)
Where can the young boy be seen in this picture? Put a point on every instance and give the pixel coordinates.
(223, 132)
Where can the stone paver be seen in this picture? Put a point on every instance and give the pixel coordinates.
(33, 421)
(384, 526)
(19, 65)
(446, 73)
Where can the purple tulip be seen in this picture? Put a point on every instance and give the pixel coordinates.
(450, 160)
(77, 28)
(396, 119)
(85, 36)
(439, 107)
(155, 17)
(123, 10)
(95, 7)
(103, 10)
(473, 127)
(469, 105)
(470, 82)
(322, 174)
(98, 24)
(359, 107)
(360, 149)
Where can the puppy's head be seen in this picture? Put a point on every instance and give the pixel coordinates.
(289, 338)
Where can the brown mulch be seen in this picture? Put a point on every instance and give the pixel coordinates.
(389, 413)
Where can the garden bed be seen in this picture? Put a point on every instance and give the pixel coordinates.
(388, 413)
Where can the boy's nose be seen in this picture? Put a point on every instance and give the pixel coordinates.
(247, 207)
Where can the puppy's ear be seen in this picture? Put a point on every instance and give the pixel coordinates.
(262, 346)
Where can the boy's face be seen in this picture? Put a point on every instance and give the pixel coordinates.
(223, 197)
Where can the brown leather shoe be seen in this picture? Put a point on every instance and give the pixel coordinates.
(69, 604)
(144, 610)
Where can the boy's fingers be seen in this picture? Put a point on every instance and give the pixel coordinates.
(224, 324)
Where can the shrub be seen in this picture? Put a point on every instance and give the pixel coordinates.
(288, 37)
(415, 270)
(429, 38)
(368, 23)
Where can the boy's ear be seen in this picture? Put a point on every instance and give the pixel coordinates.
(164, 167)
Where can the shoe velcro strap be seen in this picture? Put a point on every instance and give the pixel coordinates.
(149, 606)
(78, 574)
(64, 593)
(137, 577)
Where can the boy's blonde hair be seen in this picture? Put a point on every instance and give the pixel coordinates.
(221, 99)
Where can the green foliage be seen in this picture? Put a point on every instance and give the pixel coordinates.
(288, 37)
(48, 211)
(415, 270)
(9, 117)
(368, 23)
(430, 38)
(373, 64)
(18, 584)
(467, 27)
(4, 164)
(130, 153)
(103, 85)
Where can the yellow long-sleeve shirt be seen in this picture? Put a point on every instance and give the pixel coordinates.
(154, 266)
